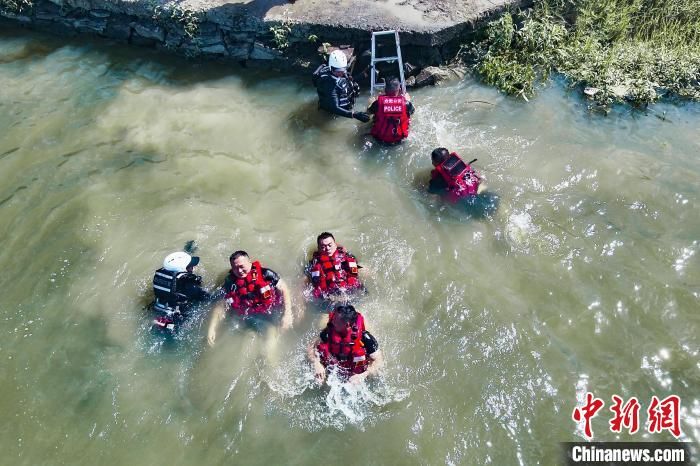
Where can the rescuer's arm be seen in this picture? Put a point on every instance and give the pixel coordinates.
(287, 318)
(376, 362)
(217, 315)
(331, 101)
(373, 107)
(307, 271)
(192, 288)
(410, 108)
(437, 183)
(319, 370)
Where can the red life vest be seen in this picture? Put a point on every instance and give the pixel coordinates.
(252, 294)
(391, 119)
(346, 352)
(462, 180)
(333, 273)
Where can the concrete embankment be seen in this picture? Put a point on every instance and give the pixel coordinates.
(262, 31)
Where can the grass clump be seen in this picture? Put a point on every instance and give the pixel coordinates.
(189, 19)
(172, 12)
(280, 34)
(617, 50)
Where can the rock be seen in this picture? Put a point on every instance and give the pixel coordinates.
(239, 37)
(346, 49)
(108, 5)
(79, 4)
(90, 25)
(619, 91)
(591, 91)
(16, 17)
(101, 14)
(410, 70)
(262, 52)
(250, 24)
(57, 26)
(459, 71)
(216, 49)
(47, 11)
(235, 17)
(118, 28)
(147, 31)
(207, 29)
(209, 38)
(238, 50)
(174, 40)
(433, 75)
(189, 49)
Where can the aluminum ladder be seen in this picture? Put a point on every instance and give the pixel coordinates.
(374, 85)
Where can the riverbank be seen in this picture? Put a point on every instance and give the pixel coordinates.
(614, 51)
(273, 33)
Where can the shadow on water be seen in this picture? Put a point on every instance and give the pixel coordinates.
(308, 117)
(34, 49)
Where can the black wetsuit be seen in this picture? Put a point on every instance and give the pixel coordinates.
(335, 94)
(176, 292)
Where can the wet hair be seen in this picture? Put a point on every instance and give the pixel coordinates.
(393, 85)
(324, 235)
(439, 155)
(346, 312)
(238, 254)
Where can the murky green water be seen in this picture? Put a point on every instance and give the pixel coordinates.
(586, 278)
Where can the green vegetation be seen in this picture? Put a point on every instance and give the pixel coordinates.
(17, 6)
(185, 17)
(280, 34)
(189, 19)
(617, 50)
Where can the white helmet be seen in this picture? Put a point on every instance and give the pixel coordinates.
(337, 59)
(179, 261)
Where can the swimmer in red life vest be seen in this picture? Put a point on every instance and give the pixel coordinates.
(254, 293)
(392, 113)
(332, 270)
(345, 345)
(453, 176)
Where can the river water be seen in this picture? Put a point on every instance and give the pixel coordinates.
(494, 324)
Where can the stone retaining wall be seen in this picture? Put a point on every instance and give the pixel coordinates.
(228, 31)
